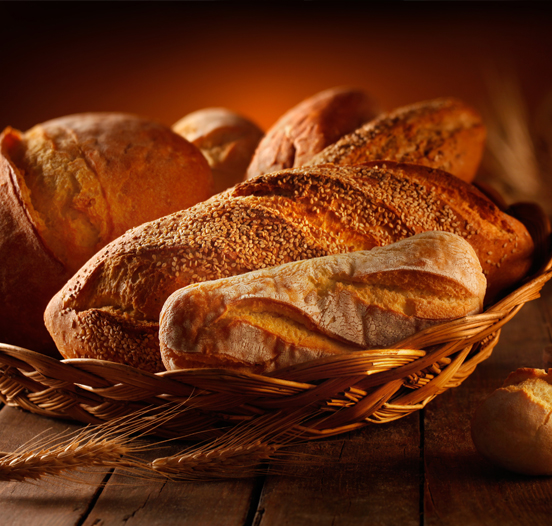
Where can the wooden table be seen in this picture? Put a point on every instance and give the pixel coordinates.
(422, 469)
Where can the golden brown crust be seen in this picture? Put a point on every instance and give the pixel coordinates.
(226, 139)
(309, 127)
(29, 273)
(274, 219)
(443, 133)
(512, 427)
(71, 185)
(278, 317)
(92, 176)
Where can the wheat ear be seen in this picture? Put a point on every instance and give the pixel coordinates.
(240, 453)
(112, 444)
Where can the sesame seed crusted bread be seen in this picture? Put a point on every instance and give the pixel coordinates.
(443, 133)
(309, 127)
(273, 318)
(71, 185)
(110, 308)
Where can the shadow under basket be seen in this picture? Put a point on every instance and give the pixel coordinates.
(323, 397)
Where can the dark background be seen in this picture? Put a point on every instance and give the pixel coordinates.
(164, 60)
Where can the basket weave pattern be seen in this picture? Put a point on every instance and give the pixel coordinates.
(333, 395)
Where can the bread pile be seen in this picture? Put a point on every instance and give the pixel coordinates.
(512, 427)
(71, 185)
(333, 176)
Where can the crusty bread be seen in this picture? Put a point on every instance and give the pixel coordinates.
(512, 427)
(111, 308)
(226, 139)
(273, 318)
(309, 127)
(71, 185)
(443, 133)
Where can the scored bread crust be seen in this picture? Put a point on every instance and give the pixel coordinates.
(71, 185)
(110, 309)
(29, 273)
(282, 316)
(443, 133)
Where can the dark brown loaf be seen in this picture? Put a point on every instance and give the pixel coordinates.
(443, 133)
(110, 309)
(309, 127)
(71, 185)
(273, 318)
(226, 139)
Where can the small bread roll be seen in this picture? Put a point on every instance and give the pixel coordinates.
(71, 185)
(226, 139)
(512, 427)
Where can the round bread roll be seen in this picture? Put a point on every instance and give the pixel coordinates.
(512, 427)
(71, 185)
(306, 129)
(226, 139)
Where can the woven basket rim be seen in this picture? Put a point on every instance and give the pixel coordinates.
(357, 389)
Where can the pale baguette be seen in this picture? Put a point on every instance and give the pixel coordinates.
(278, 317)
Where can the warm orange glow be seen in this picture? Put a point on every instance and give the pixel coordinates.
(166, 61)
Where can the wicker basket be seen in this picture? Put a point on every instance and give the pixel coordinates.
(331, 395)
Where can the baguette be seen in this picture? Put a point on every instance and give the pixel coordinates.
(273, 318)
(306, 129)
(110, 308)
(443, 133)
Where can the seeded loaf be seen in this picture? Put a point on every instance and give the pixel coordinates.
(111, 308)
(68, 187)
(512, 427)
(273, 318)
(309, 127)
(226, 139)
(443, 133)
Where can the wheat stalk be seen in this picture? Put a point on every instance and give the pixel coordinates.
(519, 147)
(241, 452)
(112, 444)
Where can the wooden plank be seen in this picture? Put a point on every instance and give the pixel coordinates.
(44, 503)
(131, 501)
(461, 487)
(371, 476)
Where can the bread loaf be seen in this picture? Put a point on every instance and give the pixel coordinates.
(443, 133)
(512, 427)
(269, 319)
(110, 308)
(226, 139)
(71, 185)
(309, 127)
